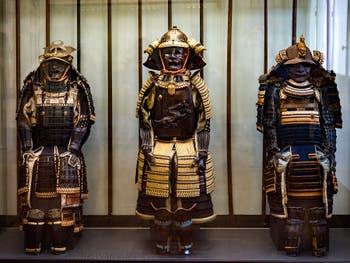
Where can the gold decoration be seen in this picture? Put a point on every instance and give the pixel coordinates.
(171, 88)
(302, 47)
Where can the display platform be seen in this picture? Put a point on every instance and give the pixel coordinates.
(211, 245)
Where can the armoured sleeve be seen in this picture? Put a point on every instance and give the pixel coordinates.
(203, 125)
(84, 116)
(328, 126)
(270, 119)
(203, 138)
(334, 101)
(331, 97)
(260, 102)
(145, 123)
(26, 113)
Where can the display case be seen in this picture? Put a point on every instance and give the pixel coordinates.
(241, 39)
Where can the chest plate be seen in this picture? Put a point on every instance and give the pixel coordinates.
(55, 115)
(299, 120)
(173, 114)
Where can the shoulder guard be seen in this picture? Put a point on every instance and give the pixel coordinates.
(28, 81)
(263, 80)
(26, 89)
(148, 84)
(202, 88)
(266, 81)
(325, 82)
(83, 85)
(330, 94)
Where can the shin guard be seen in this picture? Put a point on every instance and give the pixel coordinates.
(183, 230)
(162, 230)
(294, 230)
(33, 227)
(58, 234)
(320, 231)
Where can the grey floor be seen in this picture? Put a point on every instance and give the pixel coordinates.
(211, 245)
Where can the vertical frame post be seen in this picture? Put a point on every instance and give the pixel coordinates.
(170, 14)
(48, 21)
(294, 21)
(228, 109)
(78, 35)
(110, 107)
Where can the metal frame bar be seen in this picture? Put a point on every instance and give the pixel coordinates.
(110, 108)
(18, 46)
(294, 21)
(228, 109)
(18, 77)
(263, 192)
(78, 35)
(201, 27)
(48, 21)
(170, 14)
(139, 31)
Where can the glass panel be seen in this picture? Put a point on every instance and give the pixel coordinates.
(247, 66)
(32, 34)
(185, 15)
(312, 23)
(339, 57)
(338, 25)
(125, 89)
(312, 19)
(154, 24)
(341, 200)
(215, 39)
(2, 113)
(64, 22)
(94, 68)
(279, 27)
(8, 132)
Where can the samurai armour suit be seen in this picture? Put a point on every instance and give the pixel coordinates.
(174, 114)
(53, 119)
(298, 116)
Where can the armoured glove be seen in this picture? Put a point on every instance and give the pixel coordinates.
(149, 157)
(30, 153)
(73, 159)
(200, 161)
(273, 156)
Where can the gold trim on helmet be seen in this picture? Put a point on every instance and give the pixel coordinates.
(297, 53)
(175, 38)
(151, 47)
(56, 50)
(195, 45)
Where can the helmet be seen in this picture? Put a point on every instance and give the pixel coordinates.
(175, 38)
(56, 50)
(297, 53)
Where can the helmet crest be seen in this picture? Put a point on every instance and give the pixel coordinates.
(302, 48)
